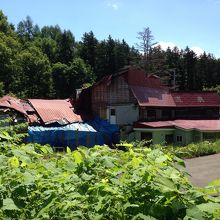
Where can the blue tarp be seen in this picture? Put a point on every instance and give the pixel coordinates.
(94, 132)
(109, 132)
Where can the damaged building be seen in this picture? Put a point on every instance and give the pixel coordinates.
(54, 122)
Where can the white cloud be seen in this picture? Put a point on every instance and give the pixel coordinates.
(198, 50)
(115, 6)
(164, 45)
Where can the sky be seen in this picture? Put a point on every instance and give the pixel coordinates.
(181, 23)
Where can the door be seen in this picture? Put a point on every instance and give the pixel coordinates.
(112, 116)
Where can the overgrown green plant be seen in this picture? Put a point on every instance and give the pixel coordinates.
(98, 183)
(11, 132)
(195, 149)
(188, 151)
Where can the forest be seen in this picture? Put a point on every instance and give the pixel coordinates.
(48, 62)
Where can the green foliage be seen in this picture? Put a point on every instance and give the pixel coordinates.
(5, 27)
(66, 45)
(189, 151)
(27, 55)
(71, 76)
(195, 149)
(213, 88)
(97, 183)
(34, 78)
(26, 30)
(212, 188)
(12, 133)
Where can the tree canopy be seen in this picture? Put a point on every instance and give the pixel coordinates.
(48, 62)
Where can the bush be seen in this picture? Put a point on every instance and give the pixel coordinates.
(195, 150)
(188, 151)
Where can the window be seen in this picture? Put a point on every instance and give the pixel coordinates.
(208, 136)
(151, 113)
(166, 114)
(112, 111)
(179, 138)
(146, 136)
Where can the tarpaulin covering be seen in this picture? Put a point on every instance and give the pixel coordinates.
(95, 132)
(109, 132)
(71, 135)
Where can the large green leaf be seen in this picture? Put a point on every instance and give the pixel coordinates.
(8, 204)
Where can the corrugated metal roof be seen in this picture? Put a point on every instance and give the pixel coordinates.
(147, 96)
(193, 99)
(12, 103)
(137, 77)
(202, 125)
(51, 111)
(152, 96)
(149, 91)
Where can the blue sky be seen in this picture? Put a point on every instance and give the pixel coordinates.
(173, 22)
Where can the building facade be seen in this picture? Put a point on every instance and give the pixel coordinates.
(145, 109)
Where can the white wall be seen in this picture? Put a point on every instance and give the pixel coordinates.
(125, 114)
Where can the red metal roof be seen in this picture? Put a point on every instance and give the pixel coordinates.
(202, 125)
(55, 110)
(8, 102)
(137, 77)
(152, 96)
(12, 103)
(147, 96)
(194, 99)
(149, 91)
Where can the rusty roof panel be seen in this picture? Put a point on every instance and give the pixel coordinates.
(12, 103)
(51, 111)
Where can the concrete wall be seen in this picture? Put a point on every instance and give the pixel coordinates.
(197, 136)
(158, 135)
(125, 114)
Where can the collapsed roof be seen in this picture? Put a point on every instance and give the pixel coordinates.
(51, 111)
(8, 103)
(40, 110)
